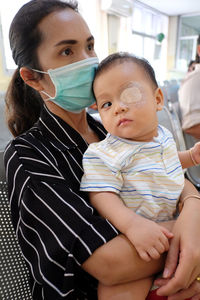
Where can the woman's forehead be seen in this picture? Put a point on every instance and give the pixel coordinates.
(63, 24)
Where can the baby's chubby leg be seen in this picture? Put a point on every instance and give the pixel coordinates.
(134, 290)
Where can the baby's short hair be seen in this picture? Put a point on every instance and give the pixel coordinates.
(120, 57)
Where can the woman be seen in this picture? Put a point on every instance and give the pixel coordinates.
(66, 244)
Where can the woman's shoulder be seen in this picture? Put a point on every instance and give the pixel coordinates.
(27, 140)
(26, 148)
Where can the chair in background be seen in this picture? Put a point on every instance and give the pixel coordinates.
(172, 87)
(171, 119)
(14, 275)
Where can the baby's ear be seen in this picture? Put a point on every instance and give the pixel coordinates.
(159, 99)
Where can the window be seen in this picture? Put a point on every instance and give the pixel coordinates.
(8, 9)
(189, 29)
(147, 24)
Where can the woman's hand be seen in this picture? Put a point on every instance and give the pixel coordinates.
(183, 261)
(192, 292)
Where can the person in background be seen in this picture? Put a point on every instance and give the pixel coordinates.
(137, 164)
(67, 245)
(191, 65)
(188, 95)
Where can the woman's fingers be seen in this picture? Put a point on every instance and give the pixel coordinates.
(197, 297)
(184, 278)
(172, 259)
(161, 281)
(180, 280)
(192, 292)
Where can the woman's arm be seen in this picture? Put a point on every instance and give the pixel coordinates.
(117, 261)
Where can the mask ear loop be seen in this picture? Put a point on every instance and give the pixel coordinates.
(46, 94)
(43, 92)
(43, 72)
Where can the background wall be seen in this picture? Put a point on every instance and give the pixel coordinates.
(4, 79)
(114, 33)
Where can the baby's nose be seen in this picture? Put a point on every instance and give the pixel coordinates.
(120, 107)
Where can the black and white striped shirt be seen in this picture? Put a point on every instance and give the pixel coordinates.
(55, 224)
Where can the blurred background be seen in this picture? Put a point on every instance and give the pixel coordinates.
(164, 32)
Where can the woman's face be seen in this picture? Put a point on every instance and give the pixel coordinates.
(66, 39)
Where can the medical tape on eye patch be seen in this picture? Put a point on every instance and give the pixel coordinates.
(130, 95)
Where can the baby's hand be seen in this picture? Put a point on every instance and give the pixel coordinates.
(149, 238)
(195, 153)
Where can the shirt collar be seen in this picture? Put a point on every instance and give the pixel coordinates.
(61, 135)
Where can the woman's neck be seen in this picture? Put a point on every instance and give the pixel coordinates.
(76, 121)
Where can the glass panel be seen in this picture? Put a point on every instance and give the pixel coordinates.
(148, 24)
(7, 10)
(137, 20)
(149, 48)
(189, 31)
(190, 26)
(185, 53)
(137, 45)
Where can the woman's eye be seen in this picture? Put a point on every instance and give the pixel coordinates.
(106, 105)
(91, 47)
(67, 52)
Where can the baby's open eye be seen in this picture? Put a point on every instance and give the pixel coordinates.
(106, 104)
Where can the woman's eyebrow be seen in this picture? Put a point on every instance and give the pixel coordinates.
(91, 38)
(72, 42)
(65, 42)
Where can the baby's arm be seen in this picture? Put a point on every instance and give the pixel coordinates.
(191, 157)
(149, 239)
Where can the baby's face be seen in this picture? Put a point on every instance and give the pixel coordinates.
(128, 102)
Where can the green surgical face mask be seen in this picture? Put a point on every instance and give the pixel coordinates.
(73, 84)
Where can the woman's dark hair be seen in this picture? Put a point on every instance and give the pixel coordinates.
(120, 57)
(23, 103)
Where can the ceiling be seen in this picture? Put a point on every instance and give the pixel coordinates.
(174, 7)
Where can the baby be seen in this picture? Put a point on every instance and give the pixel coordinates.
(134, 176)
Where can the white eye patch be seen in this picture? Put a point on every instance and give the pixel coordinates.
(131, 95)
